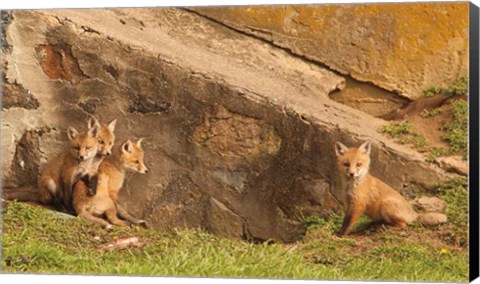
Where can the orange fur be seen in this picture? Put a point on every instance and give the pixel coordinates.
(64, 170)
(368, 195)
(111, 176)
(106, 139)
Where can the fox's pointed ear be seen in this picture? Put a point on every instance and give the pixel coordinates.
(92, 121)
(340, 149)
(111, 125)
(365, 148)
(71, 133)
(127, 146)
(93, 132)
(139, 142)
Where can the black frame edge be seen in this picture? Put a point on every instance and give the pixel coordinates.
(474, 144)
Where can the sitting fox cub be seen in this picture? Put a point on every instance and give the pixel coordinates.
(369, 195)
(111, 175)
(106, 138)
(61, 173)
(86, 152)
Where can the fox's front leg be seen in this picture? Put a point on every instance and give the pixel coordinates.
(70, 180)
(350, 219)
(91, 182)
(92, 186)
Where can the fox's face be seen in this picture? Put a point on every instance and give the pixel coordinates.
(131, 155)
(83, 146)
(106, 137)
(353, 162)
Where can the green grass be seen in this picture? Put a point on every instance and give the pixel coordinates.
(429, 113)
(430, 92)
(455, 194)
(436, 152)
(37, 241)
(402, 132)
(458, 87)
(397, 129)
(457, 129)
(380, 255)
(456, 133)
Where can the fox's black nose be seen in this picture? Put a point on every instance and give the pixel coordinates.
(351, 174)
(146, 171)
(109, 153)
(82, 158)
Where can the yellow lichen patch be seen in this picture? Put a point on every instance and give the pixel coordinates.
(403, 47)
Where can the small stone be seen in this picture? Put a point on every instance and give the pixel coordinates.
(430, 204)
(454, 164)
(432, 218)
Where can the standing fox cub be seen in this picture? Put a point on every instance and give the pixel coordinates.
(111, 175)
(60, 174)
(369, 195)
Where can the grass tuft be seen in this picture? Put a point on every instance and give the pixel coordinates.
(397, 129)
(429, 113)
(430, 92)
(457, 129)
(455, 194)
(458, 87)
(436, 152)
(403, 134)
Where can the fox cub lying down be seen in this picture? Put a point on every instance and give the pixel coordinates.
(369, 195)
(110, 179)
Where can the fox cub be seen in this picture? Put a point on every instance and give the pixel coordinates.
(57, 180)
(106, 138)
(86, 152)
(111, 176)
(369, 195)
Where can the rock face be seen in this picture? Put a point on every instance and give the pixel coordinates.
(454, 164)
(238, 134)
(370, 42)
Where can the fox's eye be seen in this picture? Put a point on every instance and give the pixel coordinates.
(359, 164)
(136, 161)
(88, 147)
(76, 147)
(346, 164)
(101, 142)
